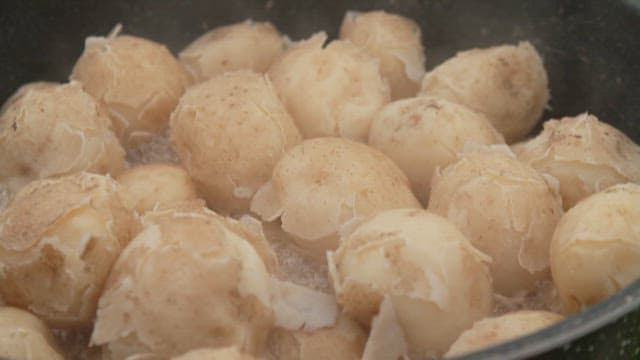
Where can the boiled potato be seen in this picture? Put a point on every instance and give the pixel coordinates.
(49, 129)
(229, 353)
(508, 84)
(437, 281)
(506, 208)
(137, 79)
(330, 91)
(325, 184)
(493, 331)
(422, 134)
(595, 250)
(584, 154)
(58, 241)
(245, 45)
(187, 281)
(25, 337)
(154, 185)
(393, 39)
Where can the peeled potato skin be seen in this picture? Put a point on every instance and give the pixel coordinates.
(507, 210)
(330, 91)
(437, 281)
(229, 132)
(245, 45)
(58, 241)
(396, 41)
(423, 133)
(584, 154)
(595, 250)
(24, 336)
(138, 80)
(230, 353)
(508, 84)
(493, 331)
(49, 129)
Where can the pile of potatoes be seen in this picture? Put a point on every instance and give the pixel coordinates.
(330, 200)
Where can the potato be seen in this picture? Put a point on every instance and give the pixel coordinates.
(25, 337)
(595, 250)
(154, 185)
(343, 341)
(437, 281)
(49, 129)
(229, 353)
(229, 132)
(330, 91)
(58, 241)
(325, 184)
(187, 281)
(421, 134)
(584, 154)
(244, 45)
(393, 39)
(493, 331)
(507, 210)
(138, 80)
(506, 83)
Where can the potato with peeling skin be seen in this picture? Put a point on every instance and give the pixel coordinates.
(245, 45)
(324, 184)
(508, 84)
(332, 90)
(155, 185)
(396, 41)
(506, 208)
(49, 130)
(229, 353)
(421, 134)
(25, 337)
(58, 241)
(437, 281)
(137, 79)
(584, 154)
(595, 250)
(229, 132)
(185, 260)
(496, 330)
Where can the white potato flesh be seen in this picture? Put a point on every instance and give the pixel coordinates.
(421, 134)
(584, 154)
(325, 184)
(595, 250)
(506, 208)
(393, 39)
(508, 84)
(58, 241)
(229, 132)
(332, 90)
(25, 337)
(229, 353)
(437, 281)
(245, 45)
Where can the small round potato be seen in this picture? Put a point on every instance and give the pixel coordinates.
(330, 91)
(49, 130)
(595, 249)
(229, 132)
(506, 208)
(584, 154)
(506, 83)
(396, 41)
(58, 241)
(187, 281)
(138, 80)
(149, 186)
(493, 331)
(25, 337)
(325, 184)
(229, 353)
(437, 281)
(245, 45)
(422, 134)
